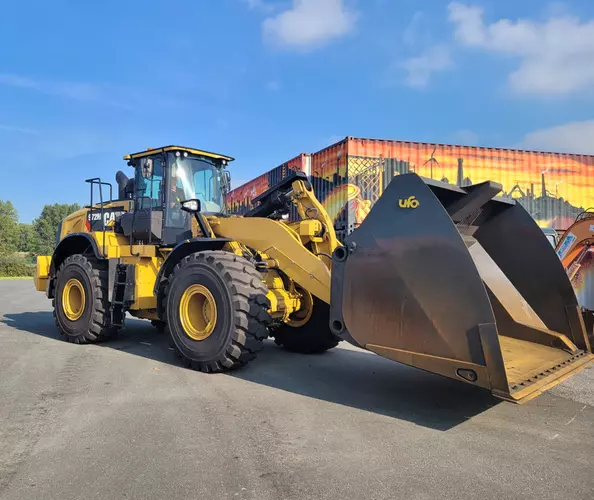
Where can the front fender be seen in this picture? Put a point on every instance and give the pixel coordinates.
(181, 251)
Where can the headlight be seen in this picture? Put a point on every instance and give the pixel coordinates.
(191, 206)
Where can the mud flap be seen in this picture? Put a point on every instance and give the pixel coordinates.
(449, 280)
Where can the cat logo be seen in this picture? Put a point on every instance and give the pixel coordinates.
(410, 202)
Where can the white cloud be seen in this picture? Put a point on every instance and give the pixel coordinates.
(273, 85)
(574, 137)
(72, 90)
(18, 81)
(259, 5)
(415, 29)
(17, 129)
(421, 68)
(309, 23)
(116, 96)
(555, 57)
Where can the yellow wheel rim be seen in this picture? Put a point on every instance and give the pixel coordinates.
(198, 312)
(303, 315)
(73, 299)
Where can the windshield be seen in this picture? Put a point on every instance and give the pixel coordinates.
(198, 178)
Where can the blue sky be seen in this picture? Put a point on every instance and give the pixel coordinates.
(83, 83)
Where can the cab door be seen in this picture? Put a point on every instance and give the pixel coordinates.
(177, 224)
(145, 223)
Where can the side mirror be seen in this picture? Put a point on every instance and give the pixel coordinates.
(147, 168)
(226, 181)
(191, 206)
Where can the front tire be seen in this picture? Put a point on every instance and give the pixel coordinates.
(216, 311)
(312, 337)
(81, 308)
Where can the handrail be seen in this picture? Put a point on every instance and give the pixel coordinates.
(100, 184)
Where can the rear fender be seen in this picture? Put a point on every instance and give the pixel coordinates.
(77, 243)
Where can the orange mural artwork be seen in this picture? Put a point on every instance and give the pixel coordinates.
(349, 176)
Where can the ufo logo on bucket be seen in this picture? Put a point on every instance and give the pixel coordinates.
(410, 202)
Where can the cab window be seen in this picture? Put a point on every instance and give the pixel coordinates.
(149, 191)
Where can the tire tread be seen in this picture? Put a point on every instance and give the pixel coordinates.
(250, 309)
(100, 328)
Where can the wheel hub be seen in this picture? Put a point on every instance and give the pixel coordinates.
(198, 312)
(303, 315)
(73, 299)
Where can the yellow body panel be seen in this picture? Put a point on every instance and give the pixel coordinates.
(283, 245)
(145, 275)
(42, 272)
(77, 221)
(74, 223)
(111, 245)
(117, 246)
(309, 230)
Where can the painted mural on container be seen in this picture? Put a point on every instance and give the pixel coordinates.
(349, 176)
(554, 188)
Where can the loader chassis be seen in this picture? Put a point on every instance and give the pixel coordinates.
(427, 280)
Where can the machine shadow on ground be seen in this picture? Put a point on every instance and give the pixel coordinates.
(349, 377)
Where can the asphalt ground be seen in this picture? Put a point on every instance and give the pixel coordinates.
(125, 420)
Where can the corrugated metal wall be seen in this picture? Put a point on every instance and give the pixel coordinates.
(350, 175)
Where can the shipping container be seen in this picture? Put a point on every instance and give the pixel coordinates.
(239, 199)
(349, 176)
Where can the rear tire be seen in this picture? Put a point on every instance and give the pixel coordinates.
(81, 308)
(313, 337)
(216, 311)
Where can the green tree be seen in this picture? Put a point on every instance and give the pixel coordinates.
(26, 241)
(9, 228)
(46, 226)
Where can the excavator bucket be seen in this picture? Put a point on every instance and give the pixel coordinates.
(456, 282)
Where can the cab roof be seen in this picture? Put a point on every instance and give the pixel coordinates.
(151, 151)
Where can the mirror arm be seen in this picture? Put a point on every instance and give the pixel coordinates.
(203, 225)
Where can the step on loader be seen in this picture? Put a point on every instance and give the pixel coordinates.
(451, 280)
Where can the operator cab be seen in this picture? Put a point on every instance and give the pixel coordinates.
(163, 179)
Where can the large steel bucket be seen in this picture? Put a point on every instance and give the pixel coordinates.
(455, 282)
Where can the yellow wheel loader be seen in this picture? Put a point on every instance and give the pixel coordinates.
(450, 280)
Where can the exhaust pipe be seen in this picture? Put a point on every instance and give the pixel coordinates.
(122, 180)
(125, 186)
